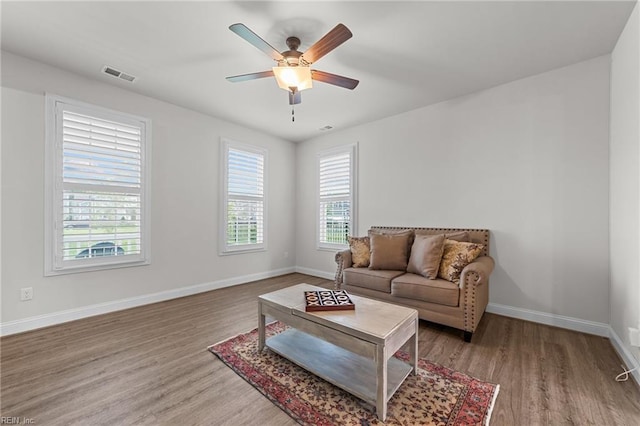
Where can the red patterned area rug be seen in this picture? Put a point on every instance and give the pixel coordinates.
(435, 396)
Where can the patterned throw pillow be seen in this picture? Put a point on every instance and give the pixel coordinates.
(360, 251)
(455, 257)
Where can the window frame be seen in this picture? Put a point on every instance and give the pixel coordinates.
(352, 150)
(54, 190)
(224, 248)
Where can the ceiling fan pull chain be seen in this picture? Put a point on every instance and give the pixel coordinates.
(293, 117)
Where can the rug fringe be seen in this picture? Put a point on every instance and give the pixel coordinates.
(492, 405)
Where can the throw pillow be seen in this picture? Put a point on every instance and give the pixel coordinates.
(455, 257)
(389, 251)
(359, 251)
(409, 232)
(426, 254)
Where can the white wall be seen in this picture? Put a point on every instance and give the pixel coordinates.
(185, 199)
(527, 160)
(625, 182)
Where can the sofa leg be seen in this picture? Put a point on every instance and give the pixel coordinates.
(467, 336)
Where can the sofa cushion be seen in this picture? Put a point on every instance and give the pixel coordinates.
(371, 279)
(417, 287)
(390, 251)
(426, 254)
(359, 251)
(456, 256)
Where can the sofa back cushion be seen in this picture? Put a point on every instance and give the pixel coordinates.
(462, 236)
(426, 254)
(390, 251)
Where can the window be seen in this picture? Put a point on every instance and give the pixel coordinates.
(337, 195)
(243, 187)
(97, 183)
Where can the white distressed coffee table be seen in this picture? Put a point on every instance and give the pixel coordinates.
(350, 349)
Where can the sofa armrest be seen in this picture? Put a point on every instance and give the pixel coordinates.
(481, 267)
(343, 260)
(474, 288)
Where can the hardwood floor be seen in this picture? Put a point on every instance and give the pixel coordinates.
(150, 365)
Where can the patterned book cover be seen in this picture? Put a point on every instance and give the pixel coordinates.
(328, 300)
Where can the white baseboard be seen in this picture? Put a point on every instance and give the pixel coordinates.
(629, 360)
(316, 273)
(32, 323)
(570, 323)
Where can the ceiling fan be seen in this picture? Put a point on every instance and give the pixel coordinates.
(293, 72)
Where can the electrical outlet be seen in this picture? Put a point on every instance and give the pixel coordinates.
(26, 293)
(634, 336)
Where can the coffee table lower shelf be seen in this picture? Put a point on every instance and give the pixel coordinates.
(351, 372)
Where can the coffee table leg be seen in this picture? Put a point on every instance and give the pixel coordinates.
(413, 350)
(381, 397)
(261, 334)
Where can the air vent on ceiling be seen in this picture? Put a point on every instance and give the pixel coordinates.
(118, 74)
(327, 127)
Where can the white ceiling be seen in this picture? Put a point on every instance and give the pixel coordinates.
(405, 54)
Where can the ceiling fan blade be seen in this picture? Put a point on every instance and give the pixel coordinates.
(336, 80)
(295, 98)
(253, 38)
(326, 44)
(251, 76)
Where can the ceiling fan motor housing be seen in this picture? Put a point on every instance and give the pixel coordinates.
(291, 56)
(293, 43)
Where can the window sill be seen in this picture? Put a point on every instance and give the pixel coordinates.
(93, 268)
(332, 249)
(242, 251)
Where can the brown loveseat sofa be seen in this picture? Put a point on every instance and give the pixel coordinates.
(457, 303)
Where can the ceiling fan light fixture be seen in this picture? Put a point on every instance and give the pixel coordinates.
(298, 77)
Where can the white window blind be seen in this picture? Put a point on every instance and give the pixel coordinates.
(336, 196)
(244, 189)
(98, 203)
